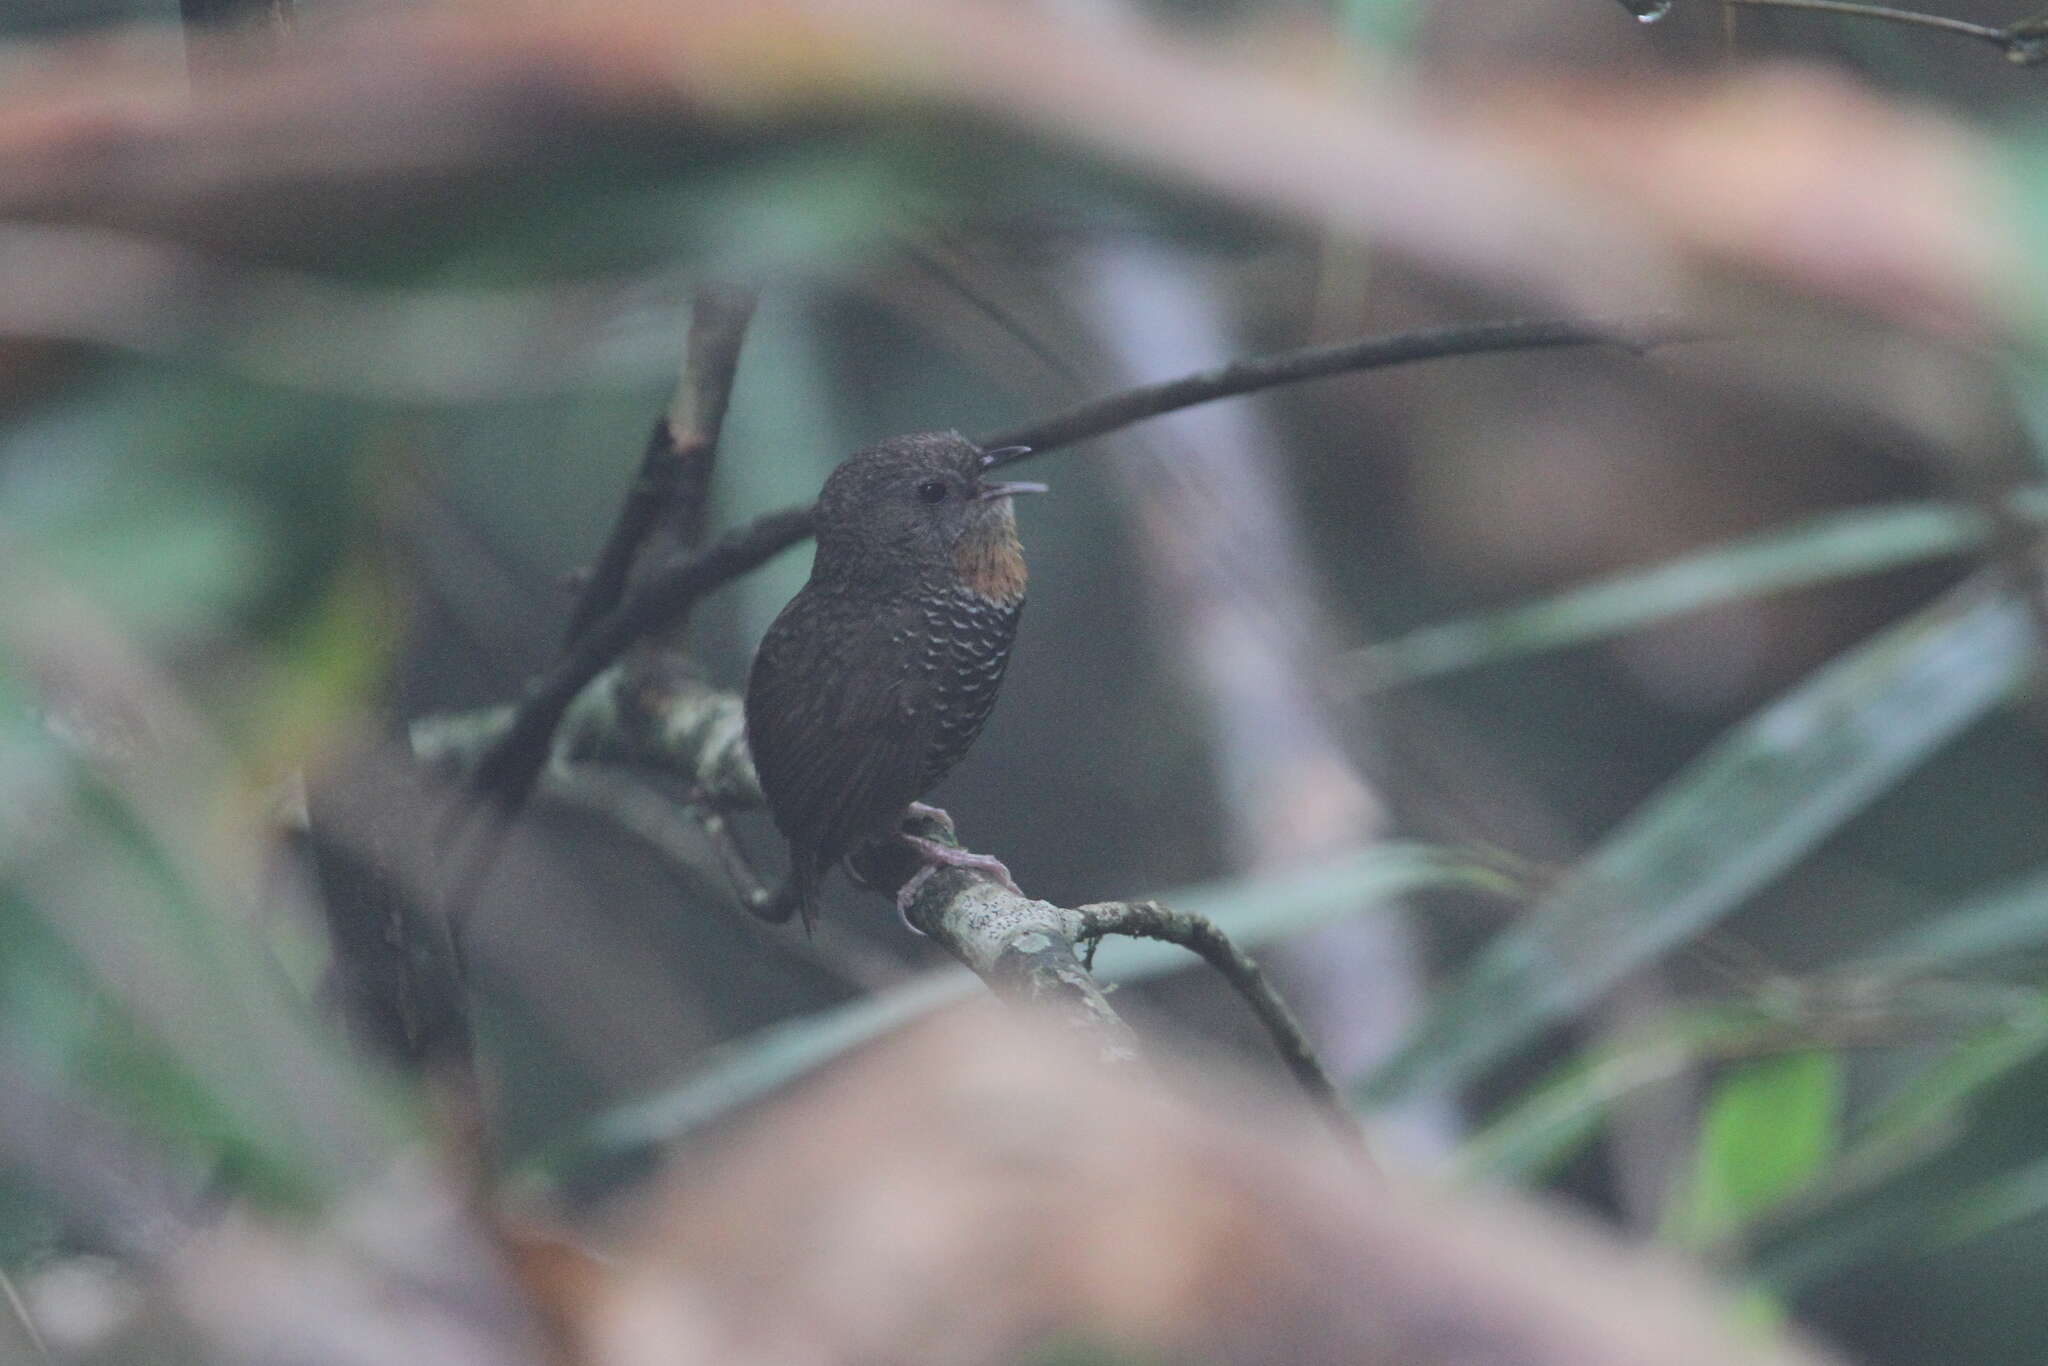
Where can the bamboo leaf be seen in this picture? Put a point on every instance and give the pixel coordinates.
(1770, 1128)
(2014, 916)
(1837, 546)
(1736, 818)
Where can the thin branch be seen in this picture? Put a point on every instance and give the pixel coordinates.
(674, 482)
(957, 282)
(1118, 410)
(1199, 934)
(1028, 951)
(674, 479)
(2024, 43)
(508, 773)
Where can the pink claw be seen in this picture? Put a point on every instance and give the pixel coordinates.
(906, 895)
(946, 856)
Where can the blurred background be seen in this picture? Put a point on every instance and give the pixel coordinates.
(1629, 758)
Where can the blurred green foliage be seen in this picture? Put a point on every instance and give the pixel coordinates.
(212, 567)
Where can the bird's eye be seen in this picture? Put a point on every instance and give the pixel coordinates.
(932, 491)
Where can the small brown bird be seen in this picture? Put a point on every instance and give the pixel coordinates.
(878, 675)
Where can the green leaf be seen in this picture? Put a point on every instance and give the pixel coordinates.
(1737, 817)
(1770, 1128)
(1837, 546)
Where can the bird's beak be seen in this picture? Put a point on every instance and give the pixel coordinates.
(988, 491)
(1003, 455)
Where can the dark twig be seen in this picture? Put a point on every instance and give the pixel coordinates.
(1198, 934)
(2024, 43)
(1108, 414)
(507, 774)
(673, 486)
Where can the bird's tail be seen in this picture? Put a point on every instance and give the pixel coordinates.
(797, 896)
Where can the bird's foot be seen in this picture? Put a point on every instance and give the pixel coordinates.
(937, 855)
(906, 895)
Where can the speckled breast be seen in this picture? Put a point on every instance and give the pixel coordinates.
(966, 649)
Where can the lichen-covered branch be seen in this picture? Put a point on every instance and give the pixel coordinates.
(1024, 949)
(675, 723)
(1031, 951)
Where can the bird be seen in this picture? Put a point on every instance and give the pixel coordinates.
(875, 679)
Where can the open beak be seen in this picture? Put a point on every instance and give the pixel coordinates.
(988, 491)
(1003, 455)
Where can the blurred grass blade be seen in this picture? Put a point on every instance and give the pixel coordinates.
(1912, 1222)
(749, 1068)
(1838, 546)
(2014, 916)
(1736, 818)
(1252, 912)
(1770, 1129)
(1264, 909)
(1920, 1119)
(2008, 1198)
(1929, 1109)
(1550, 1123)
(1939, 1090)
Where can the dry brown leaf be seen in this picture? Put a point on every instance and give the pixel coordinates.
(974, 1192)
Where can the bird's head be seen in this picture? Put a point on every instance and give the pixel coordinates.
(923, 504)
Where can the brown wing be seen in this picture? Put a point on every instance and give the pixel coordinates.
(837, 718)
